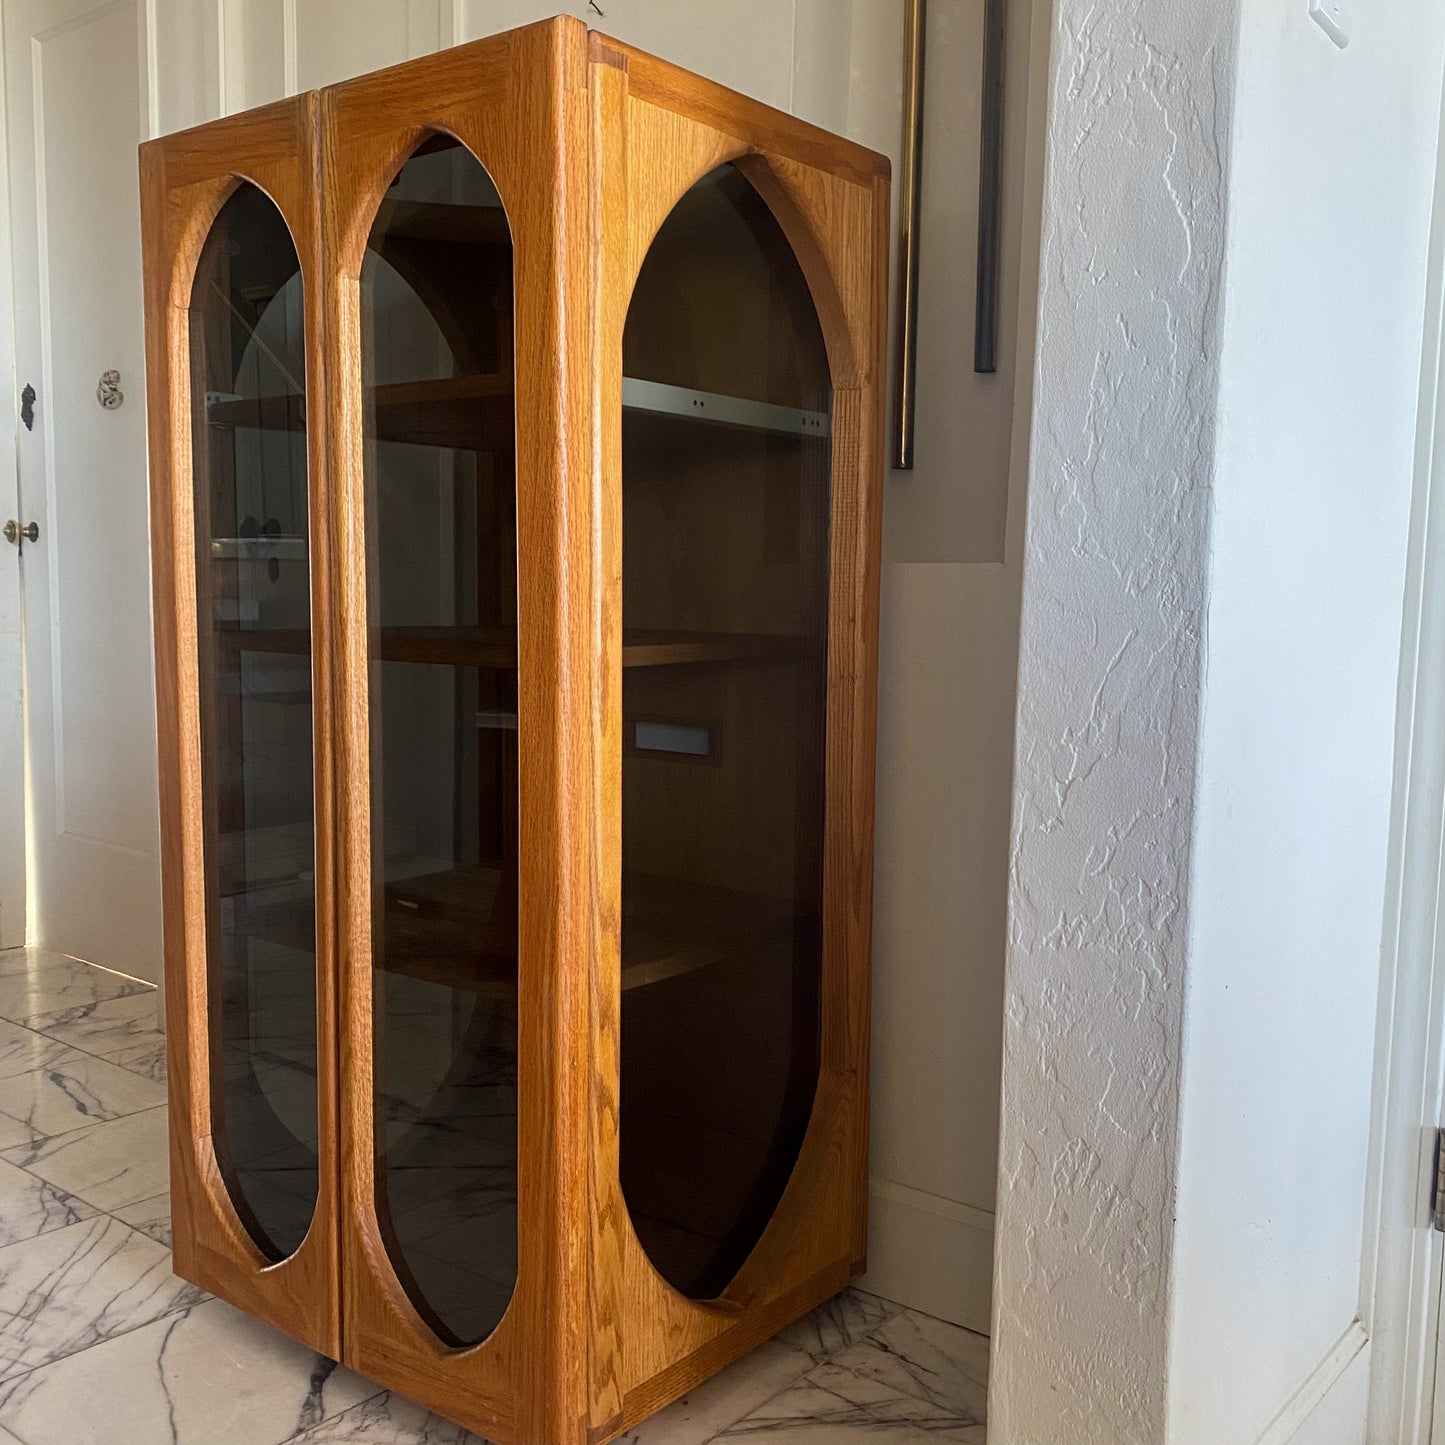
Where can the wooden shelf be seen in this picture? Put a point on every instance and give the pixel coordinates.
(477, 413)
(468, 225)
(286, 412)
(437, 925)
(497, 647)
(471, 413)
(450, 928)
(672, 927)
(642, 648)
(261, 548)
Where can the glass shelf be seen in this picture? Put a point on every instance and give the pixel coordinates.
(247, 333)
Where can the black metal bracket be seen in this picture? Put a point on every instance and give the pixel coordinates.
(990, 189)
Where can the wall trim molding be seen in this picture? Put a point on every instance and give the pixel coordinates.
(228, 93)
(1315, 1386)
(452, 23)
(150, 69)
(932, 1203)
(933, 1254)
(1400, 1274)
(288, 46)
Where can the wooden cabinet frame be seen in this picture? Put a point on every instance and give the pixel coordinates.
(185, 181)
(656, 131)
(590, 145)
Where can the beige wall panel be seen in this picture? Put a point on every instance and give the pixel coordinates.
(941, 880)
(747, 44)
(255, 54)
(338, 39)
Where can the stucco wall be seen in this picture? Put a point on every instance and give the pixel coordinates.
(1116, 537)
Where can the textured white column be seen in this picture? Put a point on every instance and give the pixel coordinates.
(1109, 688)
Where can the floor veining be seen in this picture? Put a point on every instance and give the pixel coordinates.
(100, 1344)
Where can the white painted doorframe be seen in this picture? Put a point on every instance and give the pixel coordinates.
(1403, 1255)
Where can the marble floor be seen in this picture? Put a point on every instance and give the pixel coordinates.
(99, 1342)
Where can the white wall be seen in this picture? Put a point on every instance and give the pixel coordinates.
(953, 539)
(953, 566)
(1235, 225)
(1330, 189)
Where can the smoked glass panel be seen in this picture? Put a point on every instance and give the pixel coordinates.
(436, 307)
(248, 370)
(726, 403)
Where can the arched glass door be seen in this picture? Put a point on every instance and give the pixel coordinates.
(253, 593)
(436, 308)
(726, 422)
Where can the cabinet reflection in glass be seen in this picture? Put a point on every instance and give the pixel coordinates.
(436, 307)
(254, 631)
(726, 507)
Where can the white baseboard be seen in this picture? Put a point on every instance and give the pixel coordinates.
(929, 1253)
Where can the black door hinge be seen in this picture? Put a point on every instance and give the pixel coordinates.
(1437, 1184)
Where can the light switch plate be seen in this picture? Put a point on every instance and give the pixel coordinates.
(1333, 17)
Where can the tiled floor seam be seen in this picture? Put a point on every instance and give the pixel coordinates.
(30, 1028)
(77, 1048)
(19, 1375)
(286, 1439)
(104, 1058)
(97, 1058)
(69, 1194)
(73, 1193)
(811, 1367)
(916, 1373)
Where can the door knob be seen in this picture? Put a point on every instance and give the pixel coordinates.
(14, 531)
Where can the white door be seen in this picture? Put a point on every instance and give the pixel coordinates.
(12, 737)
(12, 726)
(73, 117)
(12, 717)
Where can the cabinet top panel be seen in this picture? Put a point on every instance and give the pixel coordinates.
(496, 59)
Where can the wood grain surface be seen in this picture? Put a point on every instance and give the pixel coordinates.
(590, 144)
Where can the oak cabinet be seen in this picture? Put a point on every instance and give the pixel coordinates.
(515, 421)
